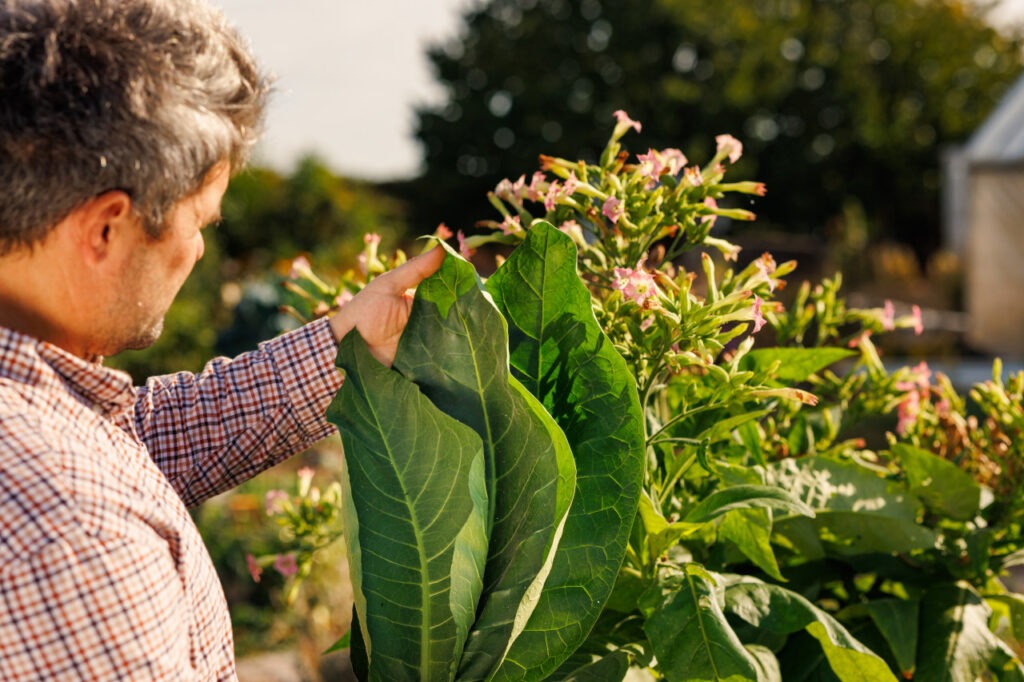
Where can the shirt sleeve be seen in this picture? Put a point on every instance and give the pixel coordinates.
(83, 608)
(211, 431)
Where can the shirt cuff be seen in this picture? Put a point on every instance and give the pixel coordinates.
(304, 359)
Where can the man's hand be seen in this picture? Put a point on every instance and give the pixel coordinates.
(379, 312)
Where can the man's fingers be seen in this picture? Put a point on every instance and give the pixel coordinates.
(411, 273)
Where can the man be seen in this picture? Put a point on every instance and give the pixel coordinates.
(120, 123)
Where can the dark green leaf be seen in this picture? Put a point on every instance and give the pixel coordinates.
(563, 358)
(897, 620)
(412, 470)
(455, 347)
(692, 640)
(775, 608)
(942, 486)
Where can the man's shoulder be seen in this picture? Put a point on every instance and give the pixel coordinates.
(36, 505)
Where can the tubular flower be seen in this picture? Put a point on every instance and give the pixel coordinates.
(300, 268)
(758, 317)
(918, 323)
(624, 123)
(888, 316)
(731, 146)
(766, 265)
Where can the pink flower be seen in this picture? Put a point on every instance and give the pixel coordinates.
(511, 224)
(571, 183)
(552, 195)
(693, 177)
(654, 164)
(729, 145)
(286, 565)
(637, 285)
(713, 205)
(920, 379)
(612, 209)
(907, 411)
(504, 190)
(625, 122)
(274, 501)
(758, 317)
(534, 191)
(300, 268)
(918, 322)
(766, 264)
(442, 232)
(464, 249)
(254, 568)
(305, 475)
(888, 316)
(371, 238)
(646, 324)
(569, 226)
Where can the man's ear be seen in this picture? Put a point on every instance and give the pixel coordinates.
(104, 225)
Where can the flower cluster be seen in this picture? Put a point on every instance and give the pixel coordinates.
(309, 519)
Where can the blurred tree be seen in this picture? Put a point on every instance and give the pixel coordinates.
(834, 99)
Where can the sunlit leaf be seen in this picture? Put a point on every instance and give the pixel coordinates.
(562, 356)
(408, 496)
(455, 347)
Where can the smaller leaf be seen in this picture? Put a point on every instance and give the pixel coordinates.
(1010, 606)
(897, 620)
(692, 640)
(777, 609)
(955, 643)
(795, 364)
(942, 486)
(767, 663)
(750, 530)
(746, 497)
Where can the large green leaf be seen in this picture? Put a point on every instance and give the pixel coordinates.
(746, 497)
(795, 364)
(857, 511)
(777, 609)
(955, 644)
(563, 358)
(455, 347)
(942, 486)
(414, 513)
(691, 638)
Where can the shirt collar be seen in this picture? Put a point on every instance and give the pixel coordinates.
(28, 360)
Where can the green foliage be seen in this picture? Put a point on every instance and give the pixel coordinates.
(835, 100)
(771, 541)
(564, 359)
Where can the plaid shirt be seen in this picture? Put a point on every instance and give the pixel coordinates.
(103, 575)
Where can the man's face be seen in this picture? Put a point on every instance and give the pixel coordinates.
(155, 272)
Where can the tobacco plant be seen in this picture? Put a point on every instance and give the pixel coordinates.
(621, 451)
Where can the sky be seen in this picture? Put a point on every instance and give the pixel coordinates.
(350, 72)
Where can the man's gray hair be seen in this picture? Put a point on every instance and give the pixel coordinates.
(143, 96)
